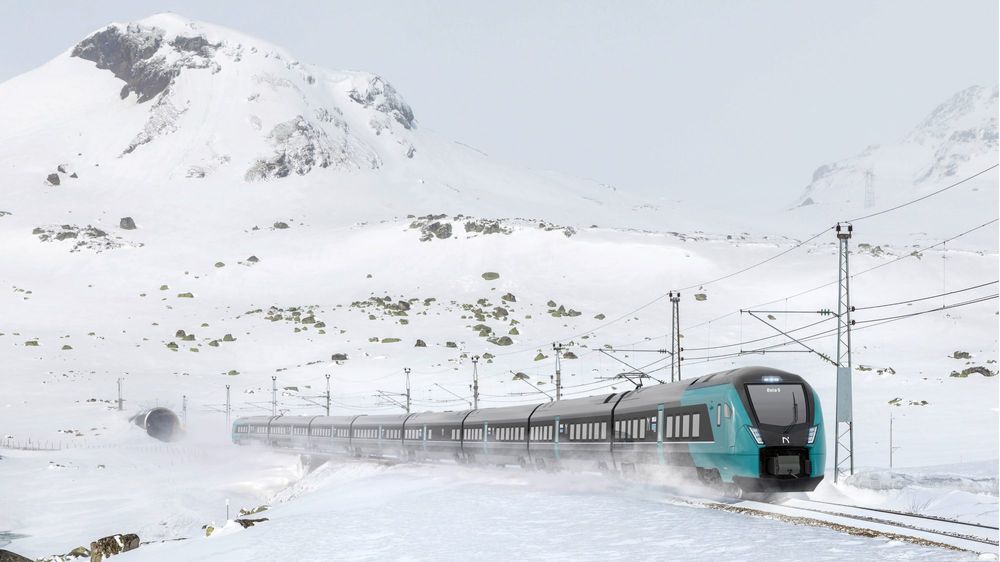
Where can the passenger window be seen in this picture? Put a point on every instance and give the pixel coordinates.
(686, 420)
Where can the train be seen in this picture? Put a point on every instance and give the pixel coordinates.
(752, 429)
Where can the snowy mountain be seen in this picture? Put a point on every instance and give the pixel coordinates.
(168, 100)
(957, 139)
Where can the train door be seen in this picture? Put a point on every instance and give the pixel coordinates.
(659, 433)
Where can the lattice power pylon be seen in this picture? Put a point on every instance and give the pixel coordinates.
(675, 336)
(843, 456)
(869, 189)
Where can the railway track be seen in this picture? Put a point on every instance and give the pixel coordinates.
(874, 522)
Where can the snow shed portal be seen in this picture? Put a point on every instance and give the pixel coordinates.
(159, 423)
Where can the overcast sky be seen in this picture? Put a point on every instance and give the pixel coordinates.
(696, 99)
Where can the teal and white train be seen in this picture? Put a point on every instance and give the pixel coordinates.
(753, 429)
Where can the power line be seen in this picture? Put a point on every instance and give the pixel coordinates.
(920, 299)
(693, 286)
(870, 323)
(914, 253)
(926, 298)
(917, 200)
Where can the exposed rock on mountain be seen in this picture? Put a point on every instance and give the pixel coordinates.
(380, 95)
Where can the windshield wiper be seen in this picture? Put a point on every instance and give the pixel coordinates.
(795, 414)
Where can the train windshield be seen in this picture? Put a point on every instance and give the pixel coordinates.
(778, 404)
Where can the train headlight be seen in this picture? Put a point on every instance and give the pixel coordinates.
(770, 379)
(756, 434)
(812, 434)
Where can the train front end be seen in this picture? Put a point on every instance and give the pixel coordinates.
(770, 434)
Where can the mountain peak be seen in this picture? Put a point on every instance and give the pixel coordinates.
(167, 100)
(970, 108)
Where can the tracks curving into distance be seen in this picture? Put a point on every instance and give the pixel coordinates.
(875, 522)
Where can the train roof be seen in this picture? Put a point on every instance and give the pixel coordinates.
(744, 375)
(375, 421)
(329, 421)
(640, 398)
(589, 405)
(507, 414)
(431, 418)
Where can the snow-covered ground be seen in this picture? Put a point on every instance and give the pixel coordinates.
(367, 511)
(346, 260)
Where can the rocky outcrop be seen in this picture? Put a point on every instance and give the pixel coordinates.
(85, 237)
(115, 544)
(126, 223)
(299, 146)
(379, 95)
(137, 55)
(162, 120)
(8, 556)
(128, 54)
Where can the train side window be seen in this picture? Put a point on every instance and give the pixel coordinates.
(686, 421)
(642, 430)
(669, 430)
(696, 425)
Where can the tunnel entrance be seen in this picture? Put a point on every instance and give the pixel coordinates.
(159, 423)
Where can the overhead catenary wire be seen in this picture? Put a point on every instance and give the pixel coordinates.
(912, 254)
(870, 323)
(885, 305)
(911, 301)
(758, 264)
